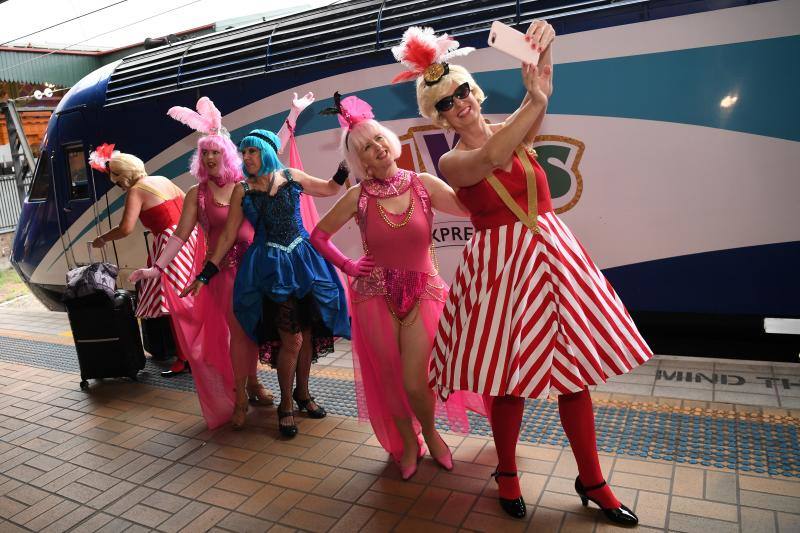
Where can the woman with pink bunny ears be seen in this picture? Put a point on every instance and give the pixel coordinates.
(223, 358)
(396, 293)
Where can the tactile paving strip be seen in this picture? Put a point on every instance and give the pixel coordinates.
(749, 442)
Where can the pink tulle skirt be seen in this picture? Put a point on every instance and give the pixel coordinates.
(380, 393)
(204, 336)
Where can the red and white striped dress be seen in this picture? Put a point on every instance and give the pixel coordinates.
(528, 313)
(162, 220)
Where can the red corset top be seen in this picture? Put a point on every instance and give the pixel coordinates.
(162, 216)
(488, 210)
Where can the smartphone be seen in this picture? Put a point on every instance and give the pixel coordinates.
(509, 41)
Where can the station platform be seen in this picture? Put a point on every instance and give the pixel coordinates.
(691, 444)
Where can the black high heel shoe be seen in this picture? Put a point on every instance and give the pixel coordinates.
(286, 430)
(621, 515)
(302, 405)
(515, 507)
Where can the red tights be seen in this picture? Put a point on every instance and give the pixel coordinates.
(577, 419)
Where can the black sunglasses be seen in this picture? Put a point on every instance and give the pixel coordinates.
(446, 103)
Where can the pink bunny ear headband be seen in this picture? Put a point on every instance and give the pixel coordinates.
(207, 119)
(350, 111)
(425, 54)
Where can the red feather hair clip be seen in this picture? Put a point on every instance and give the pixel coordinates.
(101, 156)
(425, 54)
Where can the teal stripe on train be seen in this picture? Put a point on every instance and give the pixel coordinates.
(681, 86)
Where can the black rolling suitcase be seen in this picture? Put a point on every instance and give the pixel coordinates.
(103, 324)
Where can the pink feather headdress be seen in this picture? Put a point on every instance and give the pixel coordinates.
(350, 111)
(101, 157)
(426, 54)
(207, 119)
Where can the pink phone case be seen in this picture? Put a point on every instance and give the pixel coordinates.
(509, 41)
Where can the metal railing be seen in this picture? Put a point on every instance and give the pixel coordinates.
(10, 206)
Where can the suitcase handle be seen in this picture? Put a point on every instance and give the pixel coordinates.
(89, 248)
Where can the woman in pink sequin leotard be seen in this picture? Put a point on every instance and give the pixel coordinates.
(396, 294)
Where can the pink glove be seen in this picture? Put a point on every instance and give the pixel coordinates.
(321, 240)
(171, 249)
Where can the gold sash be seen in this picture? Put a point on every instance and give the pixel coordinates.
(151, 190)
(529, 218)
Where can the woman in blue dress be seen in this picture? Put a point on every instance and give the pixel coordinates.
(286, 296)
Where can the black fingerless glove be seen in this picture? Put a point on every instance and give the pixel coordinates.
(209, 271)
(341, 173)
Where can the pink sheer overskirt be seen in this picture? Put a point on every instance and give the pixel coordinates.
(380, 394)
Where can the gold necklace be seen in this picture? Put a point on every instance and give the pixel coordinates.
(395, 225)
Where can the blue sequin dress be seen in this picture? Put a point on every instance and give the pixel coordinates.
(282, 282)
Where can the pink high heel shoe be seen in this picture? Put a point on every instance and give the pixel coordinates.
(407, 472)
(445, 461)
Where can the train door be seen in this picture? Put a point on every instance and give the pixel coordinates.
(76, 190)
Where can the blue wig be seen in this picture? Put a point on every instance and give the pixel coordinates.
(269, 156)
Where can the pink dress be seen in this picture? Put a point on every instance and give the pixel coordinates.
(405, 278)
(213, 339)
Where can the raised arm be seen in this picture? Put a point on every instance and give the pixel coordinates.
(298, 105)
(443, 197)
(340, 213)
(463, 168)
(130, 214)
(319, 187)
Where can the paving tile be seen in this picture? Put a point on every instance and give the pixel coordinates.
(78, 492)
(241, 523)
(636, 481)
(456, 508)
(761, 500)
(353, 520)
(720, 486)
(381, 521)
(280, 505)
(46, 518)
(307, 521)
(483, 522)
(688, 482)
(693, 524)
(545, 520)
(788, 523)
(771, 486)
(146, 516)
(255, 503)
(9, 507)
(717, 511)
(182, 518)
(206, 520)
(222, 498)
(759, 521)
(93, 523)
(652, 509)
(73, 518)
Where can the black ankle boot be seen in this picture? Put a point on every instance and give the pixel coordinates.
(515, 507)
(620, 515)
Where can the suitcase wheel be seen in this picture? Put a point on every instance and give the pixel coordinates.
(84, 384)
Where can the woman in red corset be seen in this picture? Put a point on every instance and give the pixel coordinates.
(157, 202)
(529, 313)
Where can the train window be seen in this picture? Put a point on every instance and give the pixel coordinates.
(78, 180)
(40, 187)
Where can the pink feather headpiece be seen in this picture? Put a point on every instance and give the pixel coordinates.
(350, 111)
(207, 119)
(425, 54)
(101, 157)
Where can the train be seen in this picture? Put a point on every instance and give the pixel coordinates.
(670, 143)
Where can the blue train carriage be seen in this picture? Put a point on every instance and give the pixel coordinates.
(671, 143)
